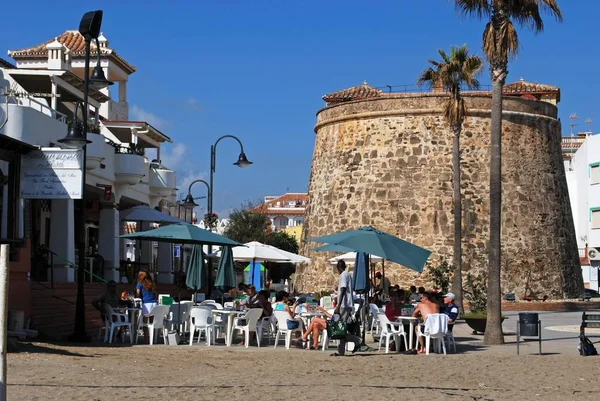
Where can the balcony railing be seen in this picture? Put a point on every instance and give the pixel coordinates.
(571, 143)
(25, 99)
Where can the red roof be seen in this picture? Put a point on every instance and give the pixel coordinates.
(270, 206)
(73, 41)
(522, 87)
(359, 92)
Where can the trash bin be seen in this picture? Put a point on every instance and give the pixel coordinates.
(528, 325)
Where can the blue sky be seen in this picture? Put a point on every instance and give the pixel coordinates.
(257, 70)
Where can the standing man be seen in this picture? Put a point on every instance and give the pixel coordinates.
(345, 307)
(383, 285)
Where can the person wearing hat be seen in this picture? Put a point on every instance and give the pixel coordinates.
(450, 307)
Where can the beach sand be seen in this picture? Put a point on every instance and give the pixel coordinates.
(43, 371)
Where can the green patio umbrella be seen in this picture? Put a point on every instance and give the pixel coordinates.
(194, 278)
(225, 273)
(182, 233)
(375, 242)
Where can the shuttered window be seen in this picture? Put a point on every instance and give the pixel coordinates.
(595, 175)
(595, 218)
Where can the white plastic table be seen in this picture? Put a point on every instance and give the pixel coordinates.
(411, 321)
(230, 313)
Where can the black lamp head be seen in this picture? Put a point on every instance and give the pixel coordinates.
(242, 161)
(97, 79)
(75, 138)
(90, 24)
(189, 202)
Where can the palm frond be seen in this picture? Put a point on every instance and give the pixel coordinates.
(473, 8)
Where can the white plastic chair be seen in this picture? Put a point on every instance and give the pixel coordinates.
(157, 317)
(207, 301)
(266, 325)
(436, 326)
(389, 330)
(228, 305)
(113, 320)
(282, 317)
(201, 319)
(374, 313)
(449, 336)
(247, 323)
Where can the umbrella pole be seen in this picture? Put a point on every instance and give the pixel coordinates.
(252, 270)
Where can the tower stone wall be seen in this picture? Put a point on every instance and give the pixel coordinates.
(387, 162)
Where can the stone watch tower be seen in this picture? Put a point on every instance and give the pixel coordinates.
(385, 159)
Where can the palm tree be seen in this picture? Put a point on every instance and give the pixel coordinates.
(450, 74)
(500, 41)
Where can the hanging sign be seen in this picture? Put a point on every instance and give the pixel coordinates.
(52, 174)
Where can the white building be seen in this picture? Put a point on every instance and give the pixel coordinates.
(284, 211)
(583, 179)
(38, 96)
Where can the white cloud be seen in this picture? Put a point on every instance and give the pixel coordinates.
(139, 114)
(192, 103)
(173, 156)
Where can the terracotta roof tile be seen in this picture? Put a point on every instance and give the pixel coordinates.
(359, 92)
(73, 41)
(270, 206)
(522, 87)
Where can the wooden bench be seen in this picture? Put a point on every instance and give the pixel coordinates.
(589, 320)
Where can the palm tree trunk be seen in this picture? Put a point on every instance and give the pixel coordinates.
(457, 278)
(493, 330)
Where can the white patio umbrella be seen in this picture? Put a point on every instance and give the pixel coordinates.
(255, 251)
(294, 258)
(350, 257)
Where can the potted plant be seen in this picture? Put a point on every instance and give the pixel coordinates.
(476, 294)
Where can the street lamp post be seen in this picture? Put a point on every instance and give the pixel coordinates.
(89, 27)
(241, 162)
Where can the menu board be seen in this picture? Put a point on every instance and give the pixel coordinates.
(52, 174)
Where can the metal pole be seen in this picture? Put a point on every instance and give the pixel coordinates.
(51, 270)
(210, 211)
(3, 317)
(79, 332)
(540, 336)
(518, 335)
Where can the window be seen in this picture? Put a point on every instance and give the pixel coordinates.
(595, 218)
(595, 174)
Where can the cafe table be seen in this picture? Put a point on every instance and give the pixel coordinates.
(231, 314)
(134, 314)
(411, 321)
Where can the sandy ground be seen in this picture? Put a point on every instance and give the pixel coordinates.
(98, 372)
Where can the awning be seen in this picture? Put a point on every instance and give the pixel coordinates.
(10, 148)
(148, 136)
(40, 82)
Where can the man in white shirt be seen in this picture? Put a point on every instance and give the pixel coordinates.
(345, 306)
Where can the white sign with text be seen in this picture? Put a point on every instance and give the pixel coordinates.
(52, 174)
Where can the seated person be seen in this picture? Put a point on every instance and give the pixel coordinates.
(282, 304)
(450, 308)
(316, 326)
(251, 299)
(425, 308)
(414, 295)
(263, 302)
(110, 297)
(393, 308)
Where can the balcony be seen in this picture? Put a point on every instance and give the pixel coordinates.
(130, 165)
(162, 181)
(118, 111)
(33, 122)
(96, 151)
